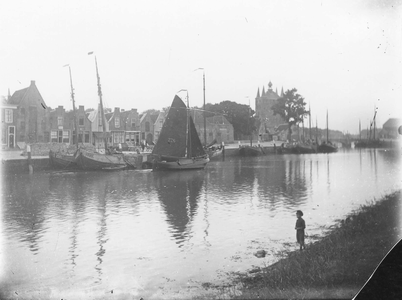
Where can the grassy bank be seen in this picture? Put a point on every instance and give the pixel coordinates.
(338, 265)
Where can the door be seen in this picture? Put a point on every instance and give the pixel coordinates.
(11, 136)
(60, 136)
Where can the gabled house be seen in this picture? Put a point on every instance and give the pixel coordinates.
(219, 129)
(116, 127)
(147, 122)
(159, 123)
(98, 134)
(31, 115)
(8, 124)
(84, 126)
(62, 128)
(132, 128)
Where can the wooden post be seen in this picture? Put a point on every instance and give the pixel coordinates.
(30, 167)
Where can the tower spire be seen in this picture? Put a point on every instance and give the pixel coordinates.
(258, 93)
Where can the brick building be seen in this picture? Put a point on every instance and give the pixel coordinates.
(8, 125)
(31, 115)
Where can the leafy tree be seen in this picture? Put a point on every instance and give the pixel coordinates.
(239, 115)
(291, 107)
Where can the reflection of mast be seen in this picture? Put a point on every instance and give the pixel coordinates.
(101, 235)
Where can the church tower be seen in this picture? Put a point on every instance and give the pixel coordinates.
(263, 105)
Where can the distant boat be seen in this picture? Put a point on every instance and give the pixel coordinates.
(62, 159)
(178, 146)
(327, 146)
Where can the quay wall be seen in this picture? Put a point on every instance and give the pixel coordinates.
(20, 166)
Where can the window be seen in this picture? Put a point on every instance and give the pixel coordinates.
(53, 136)
(117, 122)
(9, 115)
(132, 123)
(147, 126)
(118, 137)
(59, 121)
(81, 121)
(66, 136)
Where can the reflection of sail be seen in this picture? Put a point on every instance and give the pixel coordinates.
(179, 193)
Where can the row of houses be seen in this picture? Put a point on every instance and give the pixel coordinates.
(25, 118)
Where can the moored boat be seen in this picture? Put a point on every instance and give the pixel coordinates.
(178, 146)
(91, 160)
(62, 160)
(251, 151)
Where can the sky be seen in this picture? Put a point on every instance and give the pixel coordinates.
(341, 56)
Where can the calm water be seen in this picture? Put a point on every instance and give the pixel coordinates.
(164, 235)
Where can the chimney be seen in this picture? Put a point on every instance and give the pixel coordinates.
(32, 82)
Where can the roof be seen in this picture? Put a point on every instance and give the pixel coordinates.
(18, 96)
(392, 123)
(281, 127)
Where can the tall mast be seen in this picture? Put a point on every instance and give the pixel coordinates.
(360, 130)
(309, 119)
(74, 111)
(205, 118)
(101, 103)
(188, 129)
(327, 125)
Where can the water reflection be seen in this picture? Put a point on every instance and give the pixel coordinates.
(92, 225)
(179, 194)
(26, 212)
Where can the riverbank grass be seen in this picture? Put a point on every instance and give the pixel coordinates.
(338, 265)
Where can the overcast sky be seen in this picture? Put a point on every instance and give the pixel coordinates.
(344, 56)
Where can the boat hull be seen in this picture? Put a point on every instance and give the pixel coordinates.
(251, 151)
(179, 164)
(327, 149)
(87, 160)
(62, 160)
(215, 154)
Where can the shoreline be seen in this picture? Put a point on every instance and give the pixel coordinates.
(336, 266)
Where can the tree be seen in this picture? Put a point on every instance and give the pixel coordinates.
(239, 115)
(291, 107)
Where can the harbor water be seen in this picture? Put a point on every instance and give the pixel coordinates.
(161, 235)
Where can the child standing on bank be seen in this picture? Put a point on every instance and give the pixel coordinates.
(300, 226)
